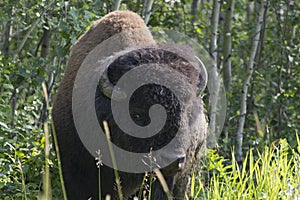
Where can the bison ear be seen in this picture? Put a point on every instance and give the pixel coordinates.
(202, 76)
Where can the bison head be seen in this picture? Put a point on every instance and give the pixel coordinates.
(184, 121)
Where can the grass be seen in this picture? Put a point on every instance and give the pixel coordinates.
(271, 174)
(107, 133)
(46, 178)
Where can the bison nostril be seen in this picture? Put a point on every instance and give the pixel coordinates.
(181, 159)
(181, 162)
(175, 167)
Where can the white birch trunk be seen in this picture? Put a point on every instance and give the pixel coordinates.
(117, 5)
(227, 45)
(243, 109)
(147, 10)
(227, 51)
(215, 83)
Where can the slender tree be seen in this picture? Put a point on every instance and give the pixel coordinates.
(147, 6)
(227, 51)
(117, 5)
(7, 33)
(227, 45)
(213, 71)
(32, 27)
(44, 45)
(195, 7)
(246, 83)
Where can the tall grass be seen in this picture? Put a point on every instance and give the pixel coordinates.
(46, 180)
(118, 182)
(271, 174)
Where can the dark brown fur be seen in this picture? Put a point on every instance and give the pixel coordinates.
(79, 167)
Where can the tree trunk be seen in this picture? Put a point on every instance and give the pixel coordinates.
(117, 5)
(213, 72)
(195, 8)
(32, 27)
(227, 51)
(147, 6)
(7, 34)
(227, 45)
(243, 109)
(45, 41)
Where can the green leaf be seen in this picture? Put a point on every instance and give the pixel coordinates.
(3, 125)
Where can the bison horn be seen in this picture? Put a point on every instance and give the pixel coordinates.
(202, 76)
(106, 87)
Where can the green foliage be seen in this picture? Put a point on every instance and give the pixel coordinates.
(21, 140)
(274, 91)
(273, 174)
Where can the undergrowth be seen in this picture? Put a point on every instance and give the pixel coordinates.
(271, 174)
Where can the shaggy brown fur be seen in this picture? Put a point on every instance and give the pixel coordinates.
(77, 175)
(148, 95)
(79, 167)
(161, 54)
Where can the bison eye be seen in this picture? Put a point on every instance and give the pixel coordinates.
(137, 116)
(139, 119)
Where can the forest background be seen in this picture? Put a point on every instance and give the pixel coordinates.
(255, 46)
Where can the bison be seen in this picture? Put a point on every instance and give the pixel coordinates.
(135, 47)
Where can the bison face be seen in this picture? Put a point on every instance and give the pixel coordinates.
(183, 126)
